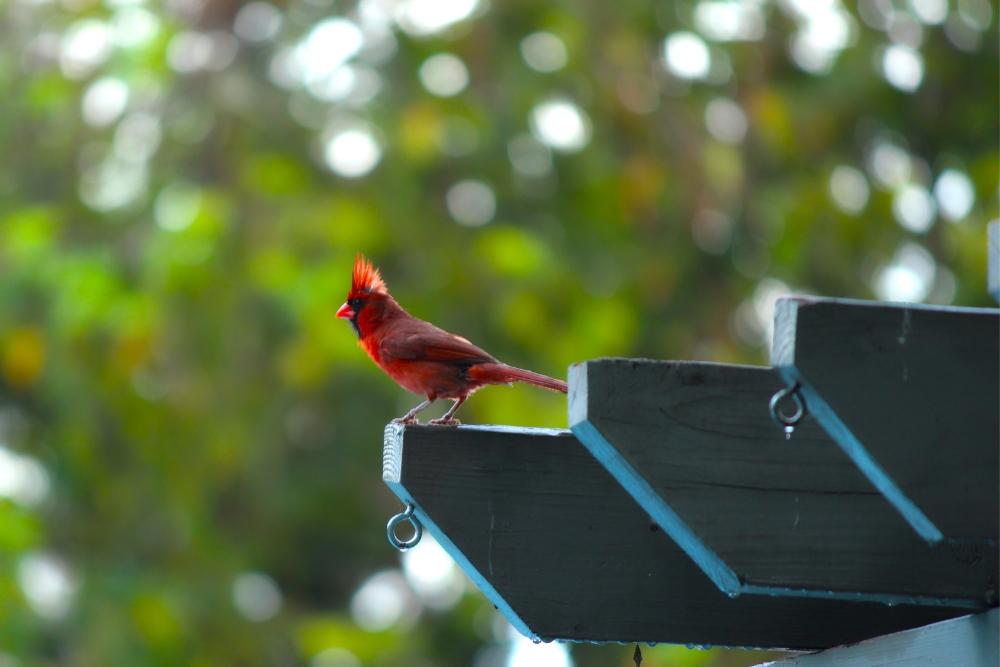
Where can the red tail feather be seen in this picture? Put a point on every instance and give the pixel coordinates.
(496, 373)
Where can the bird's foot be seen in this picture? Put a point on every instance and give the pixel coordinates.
(406, 420)
(444, 422)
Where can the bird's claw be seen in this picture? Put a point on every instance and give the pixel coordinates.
(404, 420)
(444, 422)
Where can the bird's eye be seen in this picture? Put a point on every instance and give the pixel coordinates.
(355, 304)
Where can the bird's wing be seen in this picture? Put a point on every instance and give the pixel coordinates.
(425, 342)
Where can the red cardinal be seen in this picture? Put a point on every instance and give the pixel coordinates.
(419, 356)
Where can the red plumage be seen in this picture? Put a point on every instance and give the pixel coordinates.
(419, 356)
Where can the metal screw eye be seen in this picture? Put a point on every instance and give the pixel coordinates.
(418, 530)
(780, 418)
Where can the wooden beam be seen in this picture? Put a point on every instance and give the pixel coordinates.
(969, 641)
(912, 395)
(564, 552)
(694, 444)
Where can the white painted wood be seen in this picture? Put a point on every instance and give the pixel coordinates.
(993, 277)
(969, 641)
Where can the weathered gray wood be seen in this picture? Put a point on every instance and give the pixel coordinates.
(694, 444)
(969, 641)
(565, 553)
(993, 263)
(912, 394)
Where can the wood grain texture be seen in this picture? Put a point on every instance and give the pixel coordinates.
(919, 389)
(969, 641)
(564, 549)
(790, 517)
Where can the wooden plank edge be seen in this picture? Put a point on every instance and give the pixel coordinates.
(716, 569)
(969, 641)
(888, 599)
(786, 311)
(783, 360)
(392, 465)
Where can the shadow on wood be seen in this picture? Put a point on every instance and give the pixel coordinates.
(565, 553)
(912, 395)
(694, 444)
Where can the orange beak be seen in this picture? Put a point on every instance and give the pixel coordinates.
(346, 312)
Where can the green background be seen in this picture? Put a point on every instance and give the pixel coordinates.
(198, 410)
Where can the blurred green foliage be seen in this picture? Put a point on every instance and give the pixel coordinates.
(180, 405)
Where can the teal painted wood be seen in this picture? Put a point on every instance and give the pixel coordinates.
(912, 395)
(969, 641)
(565, 553)
(694, 445)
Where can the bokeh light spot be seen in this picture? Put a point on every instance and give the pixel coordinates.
(134, 27)
(729, 20)
(890, 165)
(955, 194)
(105, 101)
(137, 137)
(352, 153)
(257, 21)
(931, 12)
(335, 656)
(22, 478)
(903, 67)
(687, 55)
(433, 575)
(849, 189)
(726, 120)
(84, 47)
(909, 278)
(330, 44)
(177, 206)
(422, 18)
(47, 584)
(525, 653)
(256, 596)
(189, 51)
(561, 125)
(914, 209)
(444, 75)
(544, 52)
(824, 30)
(471, 203)
(383, 601)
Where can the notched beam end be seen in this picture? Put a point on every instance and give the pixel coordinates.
(578, 395)
(612, 460)
(392, 453)
(786, 312)
(392, 467)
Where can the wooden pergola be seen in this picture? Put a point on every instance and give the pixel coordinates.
(675, 509)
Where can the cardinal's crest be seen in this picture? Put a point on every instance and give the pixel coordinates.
(366, 277)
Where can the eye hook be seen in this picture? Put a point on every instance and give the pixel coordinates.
(780, 418)
(418, 530)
